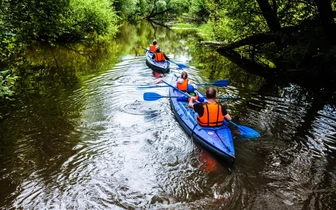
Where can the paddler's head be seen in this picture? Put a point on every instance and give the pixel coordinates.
(184, 75)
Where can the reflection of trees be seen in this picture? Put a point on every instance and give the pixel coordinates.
(64, 65)
(143, 33)
(217, 67)
(38, 134)
(157, 25)
(37, 138)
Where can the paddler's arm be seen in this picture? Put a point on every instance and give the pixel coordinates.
(226, 114)
(228, 117)
(191, 102)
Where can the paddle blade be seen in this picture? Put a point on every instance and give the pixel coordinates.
(246, 132)
(150, 96)
(180, 65)
(221, 83)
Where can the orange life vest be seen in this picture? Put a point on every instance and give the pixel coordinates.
(152, 48)
(212, 116)
(159, 57)
(183, 86)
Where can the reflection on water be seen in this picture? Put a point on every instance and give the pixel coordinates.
(96, 144)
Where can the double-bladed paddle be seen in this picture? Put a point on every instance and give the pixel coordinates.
(151, 96)
(219, 83)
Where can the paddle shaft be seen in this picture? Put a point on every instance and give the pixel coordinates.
(144, 48)
(151, 96)
(219, 83)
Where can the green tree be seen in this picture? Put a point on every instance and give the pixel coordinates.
(25, 22)
(128, 9)
(55, 20)
(198, 10)
(157, 9)
(280, 33)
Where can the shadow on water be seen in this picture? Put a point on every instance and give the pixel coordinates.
(80, 136)
(296, 154)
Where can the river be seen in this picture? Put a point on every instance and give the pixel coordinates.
(86, 139)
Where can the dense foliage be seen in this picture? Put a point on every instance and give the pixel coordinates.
(289, 36)
(24, 22)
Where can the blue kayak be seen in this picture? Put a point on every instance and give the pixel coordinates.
(159, 67)
(217, 140)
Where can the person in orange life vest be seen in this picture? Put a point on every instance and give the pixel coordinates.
(183, 82)
(153, 46)
(193, 93)
(159, 56)
(210, 114)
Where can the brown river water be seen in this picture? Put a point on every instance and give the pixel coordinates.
(90, 141)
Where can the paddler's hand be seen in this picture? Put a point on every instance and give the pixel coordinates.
(191, 102)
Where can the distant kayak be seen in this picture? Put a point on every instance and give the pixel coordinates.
(161, 67)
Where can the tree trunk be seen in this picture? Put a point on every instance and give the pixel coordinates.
(251, 67)
(326, 19)
(152, 15)
(252, 40)
(270, 15)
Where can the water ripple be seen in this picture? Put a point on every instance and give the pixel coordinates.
(113, 150)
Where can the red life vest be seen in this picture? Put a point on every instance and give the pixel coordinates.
(152, 48)
(212, 116)
(183, 86)
(159, 57)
